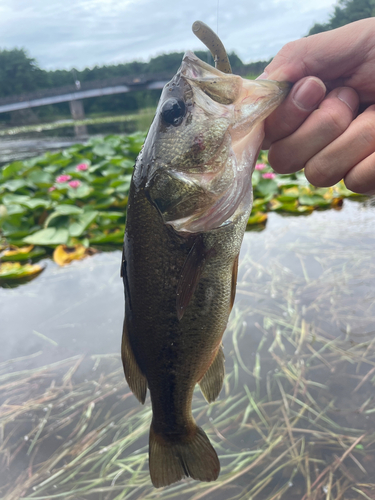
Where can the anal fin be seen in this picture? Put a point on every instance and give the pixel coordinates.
(134, 377)
(212, 381)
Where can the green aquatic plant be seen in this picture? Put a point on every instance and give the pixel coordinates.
(290, 194)
(79, 196)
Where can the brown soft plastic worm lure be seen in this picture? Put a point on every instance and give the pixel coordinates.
(214, 45)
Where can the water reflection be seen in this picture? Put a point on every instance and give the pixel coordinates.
(24, 142)
(296, 417)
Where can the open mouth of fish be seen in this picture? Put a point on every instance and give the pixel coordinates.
(210, 128)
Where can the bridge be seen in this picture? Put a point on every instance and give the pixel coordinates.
(84, 90)
(75, 93)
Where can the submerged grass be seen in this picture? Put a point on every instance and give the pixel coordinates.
(295, 419)
(63, 438)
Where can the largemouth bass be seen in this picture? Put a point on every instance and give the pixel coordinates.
(189, 202)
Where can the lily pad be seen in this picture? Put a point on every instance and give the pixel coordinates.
(266, 187)
(15, 184)
(257, 218)
(12, 168)
(81, 192)
(77, 228)
(115, 237)
(16, 254)
(35, 209)
(12, 273)
(313, 200)
(103, 150)
(50, 236)
(64, 254)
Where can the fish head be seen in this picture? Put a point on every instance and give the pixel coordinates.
(199, 154)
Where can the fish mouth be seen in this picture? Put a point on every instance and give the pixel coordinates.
(194, 68)
(246, 104)
(220, 87)
(209, 128)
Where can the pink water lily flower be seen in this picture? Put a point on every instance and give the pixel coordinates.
(74, 184)
(81, 167)
(268, 175)
(63, 178)
(260, 166)
(52, 188)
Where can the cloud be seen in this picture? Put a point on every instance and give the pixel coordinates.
(81, 33)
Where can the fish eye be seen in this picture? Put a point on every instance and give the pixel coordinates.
(173, 111)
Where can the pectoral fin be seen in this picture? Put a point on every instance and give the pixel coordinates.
(212, 381)
(191, 273)
(134, 377)
(175, 195)
(234, 281)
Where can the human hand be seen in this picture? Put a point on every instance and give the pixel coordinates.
(322, 133)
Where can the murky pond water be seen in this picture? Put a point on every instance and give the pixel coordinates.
(23, 142)
(296, 416)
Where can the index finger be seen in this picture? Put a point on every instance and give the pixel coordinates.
(305, 96)
(329, 55)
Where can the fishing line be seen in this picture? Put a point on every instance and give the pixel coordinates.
(217, 18)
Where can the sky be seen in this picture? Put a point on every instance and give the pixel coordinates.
(61, 34)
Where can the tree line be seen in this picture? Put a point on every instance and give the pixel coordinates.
(347, 11)
(20, 73)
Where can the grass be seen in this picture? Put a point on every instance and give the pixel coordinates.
(295, 419)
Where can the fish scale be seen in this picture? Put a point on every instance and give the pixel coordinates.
(187, 213)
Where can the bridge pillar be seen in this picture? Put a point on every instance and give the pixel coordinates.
(78, 113)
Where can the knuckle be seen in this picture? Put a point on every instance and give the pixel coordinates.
(368, 129)
(287, 54)
(287, 124)
(282, 123)
(292, 120)
(281, 159)
(287, 51)
(357, 181)
(336, 121)
(316, 173)
(352, 182)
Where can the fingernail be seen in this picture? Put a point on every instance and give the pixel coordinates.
(349, 98)
(263, 76)
(309, 94)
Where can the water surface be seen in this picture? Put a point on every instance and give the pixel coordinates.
(295, 419)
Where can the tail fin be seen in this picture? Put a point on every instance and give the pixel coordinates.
(171, 461)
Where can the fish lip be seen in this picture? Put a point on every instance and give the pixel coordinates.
(192, 67)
